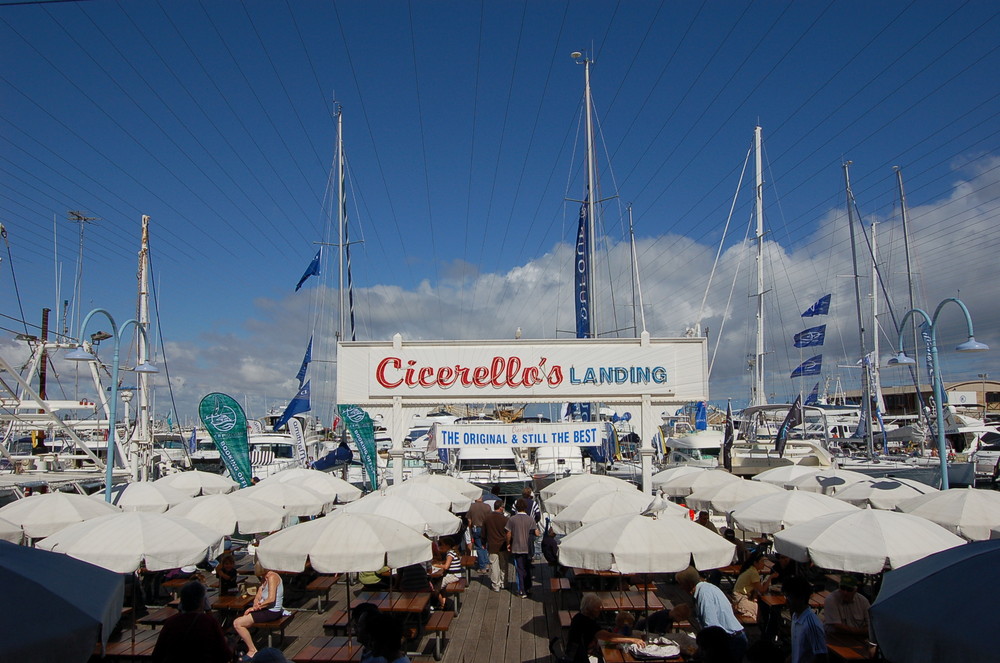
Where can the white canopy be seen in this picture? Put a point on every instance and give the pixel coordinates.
(883, 493)
(615, 503)
(233, 513)
(45, 514)
(453, 484)
(121, 541)
(661, 478)
(334, 489)
(425, 517)
(10, 532)
(725, 497)
(642, 544)
(344, 543)
(448, 499)
(556, 486)
(583, 492)
(685, 484)
(781, 475)
(196, 482)
(294, 499)
(147, 496)
(968, 512)
(772, 513)
(828, 482)
(864, 541)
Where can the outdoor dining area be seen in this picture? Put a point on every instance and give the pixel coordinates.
(623, 553)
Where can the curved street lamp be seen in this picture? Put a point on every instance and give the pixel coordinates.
(80, 354)
(971, 345)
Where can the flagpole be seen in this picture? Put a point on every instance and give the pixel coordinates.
(340, 217)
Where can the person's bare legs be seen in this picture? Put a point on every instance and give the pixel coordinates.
(240, 625)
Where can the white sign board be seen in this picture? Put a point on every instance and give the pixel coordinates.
(514, 371)
(518, 435)
(963, 398)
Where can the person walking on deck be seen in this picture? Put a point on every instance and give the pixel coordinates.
(520, 528)
(495, 531)
(476, 517)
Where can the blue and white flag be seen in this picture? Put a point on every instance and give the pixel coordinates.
(296, 406)
(811, 366)
(821, 307)
(312, 270)
(792, 420)
(581, 274)
(701, 416)
(810, 337)
(193, 441)
(301, 375)
(813, 397)
(729, 438)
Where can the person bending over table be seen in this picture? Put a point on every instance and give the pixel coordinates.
(584, 632)
(267, 606)
(711, 608)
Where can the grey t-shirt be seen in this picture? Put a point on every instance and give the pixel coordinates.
(521, 527)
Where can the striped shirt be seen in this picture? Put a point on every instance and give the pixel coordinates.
(454, 563)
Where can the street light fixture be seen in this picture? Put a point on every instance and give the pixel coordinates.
(971, 345)
(80, 354)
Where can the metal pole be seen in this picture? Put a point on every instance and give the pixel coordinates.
(759, 394)
(591, 197)
(939, 411)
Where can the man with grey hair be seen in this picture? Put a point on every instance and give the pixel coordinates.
(584, 631)
(711, 608)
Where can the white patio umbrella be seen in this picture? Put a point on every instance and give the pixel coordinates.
(294, 499)
(660, 506)
(767, 514)
(58, 607)
(614, 503)
(780, 476)
(344, 543)
(425, 517)
(196, 483)
(327, 485)
(452, 483)
(10, 532)
(968, 512)
(230, 514)
(661, 478)
(883, 493)
(147, 496)
(642, 544)
(962, 581)
(556, 486)
(864, 541)
(448, 499)
(685, 484)
(725, 497)
(569, 495)
(121, 541)
(828, 482)
(45, 514)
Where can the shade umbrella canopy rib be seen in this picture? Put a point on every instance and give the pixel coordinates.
(229, 514)
(294, 499)
(641, 544)
(197, 482)
(615, 503)
(772, 513)
(727, 496)
(43, 515)
(883, 493)
(424, 517)
(961, 581)
(586, 479)
(970, 513)
(454, 484)
(58, 607)
(584, 492)
(780, 476)
(864, 541)
(661, 478)
(148, 497)
(331, 487)
(685, 484)
(344, 543)
(121, 541)
(448, 499)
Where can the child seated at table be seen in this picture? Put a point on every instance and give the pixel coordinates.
(623, 623)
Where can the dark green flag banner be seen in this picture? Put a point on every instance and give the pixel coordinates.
(227, 424)
(363, 432)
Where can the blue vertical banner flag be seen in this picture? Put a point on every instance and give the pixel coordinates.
(729, 438)
(813, 397)
(581, 276)
(792, 419)
(811, 366)
(821, 307)
(312, 270)
(226, 422)
(301, 375)
(925, 333)
(193, 440)
(701, 416)
(300, 403)
(810, 337)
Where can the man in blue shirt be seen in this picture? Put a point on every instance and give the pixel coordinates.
(808, 637)
(711, 608)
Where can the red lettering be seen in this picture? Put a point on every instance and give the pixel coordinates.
(380, 372)
(462, 373)
(446, 376)
(496, 371)
(481, 376)
(513, 366)
(423, 374)
(500, 372)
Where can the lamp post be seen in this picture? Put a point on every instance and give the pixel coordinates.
(80, 354)
(971, 345)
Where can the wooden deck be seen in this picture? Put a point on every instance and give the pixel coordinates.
(493, 626)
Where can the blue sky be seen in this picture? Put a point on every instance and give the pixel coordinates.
(462, 124)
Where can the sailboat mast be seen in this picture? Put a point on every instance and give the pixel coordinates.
(591, 196)
(340, 218)
(909, 271)
(141, 436)
(635, 267)
(865, 386)
(759, 396)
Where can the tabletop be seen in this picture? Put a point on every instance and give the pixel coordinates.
(232, 602)
(338, 649)
(145, 641)
(850, 647)
(629, 601)
(409, 602)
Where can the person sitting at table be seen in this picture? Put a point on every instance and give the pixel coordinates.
(450, 565)
(623, 623)
(550, 551)
(192, 635)
(713, 646)
(808, 638)
(741, 553)
(783, 569)
(227, 574)
(360, 616)
(845, 610)
(386, 638)
(413, 578)
(711, 608)
(375, 581)
(705, 521)
(749, 587)
(267, 606)
(585, 632)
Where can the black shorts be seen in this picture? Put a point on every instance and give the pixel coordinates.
(265, 615)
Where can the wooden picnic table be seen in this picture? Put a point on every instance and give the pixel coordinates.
(816, 601)
(337, 649)
(159, 616)
(403, 602)
(850, 647)
(142, 648)
(633, 601)
(231, 604)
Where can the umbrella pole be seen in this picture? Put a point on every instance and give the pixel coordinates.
(350, 624)
(135, 579)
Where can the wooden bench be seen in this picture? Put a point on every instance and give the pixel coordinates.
(158, 616)
(557, 586)
(455, 589)
(469, 562)
(438, 624)
(336, 621)
(321, 587)
(278, 625)
(565, 617)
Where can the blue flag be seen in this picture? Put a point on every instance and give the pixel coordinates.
(821, 307)
(581, 275)
(792, 420)
(729, 438)
(296, 406)
(312, 270)
(193, 441)
(701, 416)
(811, 366)
(301, 375)
(810, 337)
(813, 397)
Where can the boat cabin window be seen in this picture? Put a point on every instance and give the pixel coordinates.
(471, 464)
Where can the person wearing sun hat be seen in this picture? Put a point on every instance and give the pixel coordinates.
(845, 610)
